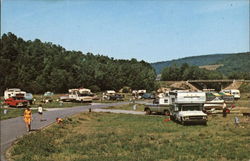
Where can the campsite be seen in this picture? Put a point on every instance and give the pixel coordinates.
(122, 136)
(127, 80)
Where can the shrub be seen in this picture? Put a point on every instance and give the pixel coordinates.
(126, 89)
(245, 88)
(95, 88)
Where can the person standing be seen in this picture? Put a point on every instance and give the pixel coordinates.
(40, 112)
(27, 116)
(236, 121)
(224, 110)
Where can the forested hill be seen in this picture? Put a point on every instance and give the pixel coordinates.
(36, 67)
(235, 63)
(231, 62)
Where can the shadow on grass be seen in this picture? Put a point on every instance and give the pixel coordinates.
(189, 123)
(31, 130)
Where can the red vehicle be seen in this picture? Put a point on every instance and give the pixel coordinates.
(16, 102)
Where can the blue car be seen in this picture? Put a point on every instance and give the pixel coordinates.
(29, 97)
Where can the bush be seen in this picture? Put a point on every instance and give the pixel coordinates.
(94, 88)
(126, 90)
(245, 88)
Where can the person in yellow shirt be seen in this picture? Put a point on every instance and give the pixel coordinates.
(27, 117)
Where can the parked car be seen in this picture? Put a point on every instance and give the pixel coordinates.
(48, 94)
(117, 97)
(16, 102)
(29, 97)
(148, 96)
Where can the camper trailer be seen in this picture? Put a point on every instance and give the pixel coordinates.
(80, 95)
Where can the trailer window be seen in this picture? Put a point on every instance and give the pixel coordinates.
(84, 94)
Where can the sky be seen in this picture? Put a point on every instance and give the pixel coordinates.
(149, 30)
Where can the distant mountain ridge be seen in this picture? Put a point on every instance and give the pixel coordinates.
(231, 62)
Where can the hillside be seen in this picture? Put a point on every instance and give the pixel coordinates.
(235, 63)
(230, 62)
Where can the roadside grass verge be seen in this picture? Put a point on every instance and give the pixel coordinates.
(107, 136)
(12, 113)
(139, 107)
(15, 112)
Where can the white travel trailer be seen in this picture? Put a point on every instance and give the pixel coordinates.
(80, 95)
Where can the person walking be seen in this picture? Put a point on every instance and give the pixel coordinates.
(27, 116)
(40, 112)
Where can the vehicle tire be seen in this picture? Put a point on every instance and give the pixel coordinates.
(148, 112)
(182, 122)
(166, 113)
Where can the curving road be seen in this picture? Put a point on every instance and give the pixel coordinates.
(14, 128)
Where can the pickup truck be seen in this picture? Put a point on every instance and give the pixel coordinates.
(16, 102)
(156, 108)
(188, 113)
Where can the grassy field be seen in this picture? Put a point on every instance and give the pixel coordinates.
(110, 137)
(244, 100)
(12, 112)
(139, 107)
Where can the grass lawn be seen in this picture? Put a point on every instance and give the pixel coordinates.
(244, 100)
(110, 137)
(139, 107)
(12, 112)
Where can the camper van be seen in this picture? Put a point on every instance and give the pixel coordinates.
(187, 107)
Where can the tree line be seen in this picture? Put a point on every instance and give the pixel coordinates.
(37, 67)
(187, 72)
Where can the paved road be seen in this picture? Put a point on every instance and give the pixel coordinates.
(12, 129)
